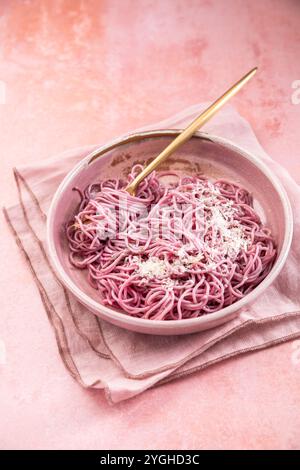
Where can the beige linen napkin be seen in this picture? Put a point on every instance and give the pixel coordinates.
(123, 363)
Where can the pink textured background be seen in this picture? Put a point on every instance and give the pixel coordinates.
(76, 70)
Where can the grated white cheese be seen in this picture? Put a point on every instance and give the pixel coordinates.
(152, 267)
(231, 232)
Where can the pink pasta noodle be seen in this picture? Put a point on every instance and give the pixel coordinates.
(184, 247)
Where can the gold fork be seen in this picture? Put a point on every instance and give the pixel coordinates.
(187, 133)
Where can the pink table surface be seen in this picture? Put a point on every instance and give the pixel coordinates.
(79, 72)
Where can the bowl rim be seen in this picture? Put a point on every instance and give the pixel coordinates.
(122, 318)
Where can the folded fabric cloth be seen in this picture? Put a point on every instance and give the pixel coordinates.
(124, 364)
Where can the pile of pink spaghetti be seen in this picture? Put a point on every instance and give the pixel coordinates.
(183, 247)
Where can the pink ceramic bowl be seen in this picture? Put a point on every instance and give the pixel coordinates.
(211, 155)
